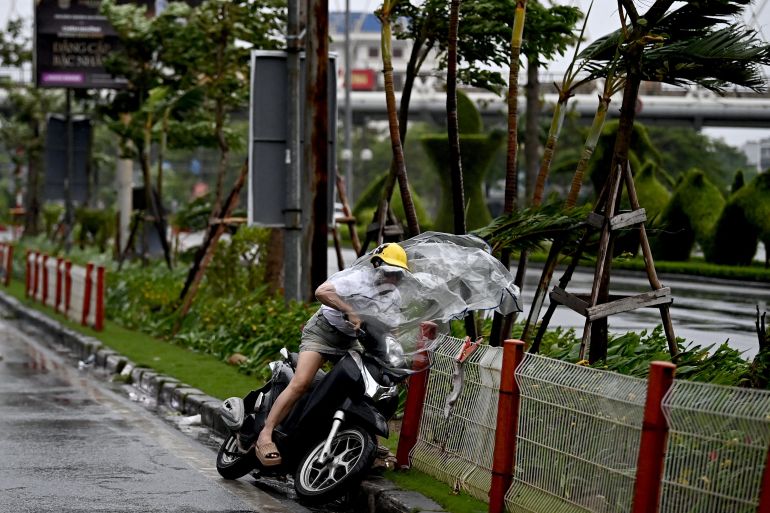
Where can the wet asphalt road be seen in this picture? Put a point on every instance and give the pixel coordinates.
(69, 443)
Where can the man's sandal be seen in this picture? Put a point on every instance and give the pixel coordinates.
(268, 454)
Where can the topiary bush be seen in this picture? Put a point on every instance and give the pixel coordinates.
(477, 151)
(744, 221)
(689, 217)
(652, 194)
(476, 154)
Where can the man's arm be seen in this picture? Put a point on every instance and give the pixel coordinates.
(327, 295)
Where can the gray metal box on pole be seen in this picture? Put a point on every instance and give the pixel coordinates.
(268, 137)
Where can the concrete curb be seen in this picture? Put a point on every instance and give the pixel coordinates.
(376, 494)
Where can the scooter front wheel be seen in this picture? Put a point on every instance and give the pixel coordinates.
(231, 462)
(351, 456)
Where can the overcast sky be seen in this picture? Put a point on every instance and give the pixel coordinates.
(604, 18)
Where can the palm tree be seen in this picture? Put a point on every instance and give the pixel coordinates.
(384, 13)
(692, 44)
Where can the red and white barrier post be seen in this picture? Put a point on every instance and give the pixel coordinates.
(415, 398)
(652, 448)
(99, 314)
(507, 426)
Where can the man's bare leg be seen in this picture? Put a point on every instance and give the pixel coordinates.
(307, 366)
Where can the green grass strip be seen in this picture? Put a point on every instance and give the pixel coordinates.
(438, 491)
(198, 370)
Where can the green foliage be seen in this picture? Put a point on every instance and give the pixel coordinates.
(238, 264)
(744, 220)
(95, 227)
(52, 216)
(476, 153)
(529, 228)
(684, 148)
(194, 215)
(652, 194)
(689, 217)
(483, 42)
(222, 321)
(632, 353)
(698, 267)
(738, 181)
(468, 116)
(641, 150)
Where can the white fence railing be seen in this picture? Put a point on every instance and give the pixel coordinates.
(75, 291)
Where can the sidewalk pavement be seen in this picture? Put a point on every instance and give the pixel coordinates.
(376, 494)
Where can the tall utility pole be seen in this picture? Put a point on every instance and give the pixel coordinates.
(293, 214)
(317, 138)
(348, 108)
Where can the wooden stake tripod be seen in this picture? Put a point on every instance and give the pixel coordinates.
(592, 307)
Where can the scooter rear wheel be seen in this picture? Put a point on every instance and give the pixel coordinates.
(352, 453)
(231, 462)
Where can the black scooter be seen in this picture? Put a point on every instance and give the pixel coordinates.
(328, 441)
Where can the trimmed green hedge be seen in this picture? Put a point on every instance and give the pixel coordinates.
(689, 217)
(476, 154)
(745, 220)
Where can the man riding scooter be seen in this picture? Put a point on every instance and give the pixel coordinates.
(332, 331)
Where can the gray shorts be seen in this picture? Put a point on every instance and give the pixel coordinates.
(321, 337)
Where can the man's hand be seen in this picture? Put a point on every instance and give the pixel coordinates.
(354, 321)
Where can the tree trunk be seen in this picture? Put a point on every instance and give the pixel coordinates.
(416, 58)
(588, 149)
(511, 171)
(393, 125)
(455, 164)
(224, 154)
(499, 333)
(532, 128)
(560, 110)
(598, 349)
(34, 166)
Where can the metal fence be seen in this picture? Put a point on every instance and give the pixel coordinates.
(578, 440)
(717, 448)
(579, 434)
(458, 448)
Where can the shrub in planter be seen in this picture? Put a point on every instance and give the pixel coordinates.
(744, 221)
(477, 151)
(689, 217)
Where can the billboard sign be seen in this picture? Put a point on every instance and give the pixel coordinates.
(72, 41)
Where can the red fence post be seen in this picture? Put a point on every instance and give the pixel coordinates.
(87, 294)
(415, 398)
(27, 276)
(9, 265)
(652, 447)
(507, 426)
(99, 322)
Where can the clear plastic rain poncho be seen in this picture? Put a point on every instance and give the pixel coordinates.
(450, 275)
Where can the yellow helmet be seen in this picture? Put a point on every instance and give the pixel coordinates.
(391, 254)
